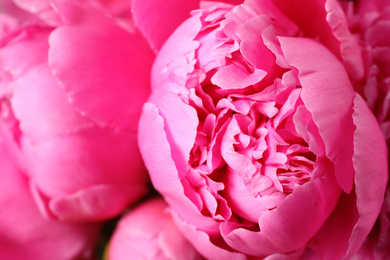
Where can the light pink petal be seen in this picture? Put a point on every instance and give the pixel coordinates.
(162, 168)
(327, 94)
(236, 76)
(104, 72)
(293, 222)
(371, 166)
(158, 19)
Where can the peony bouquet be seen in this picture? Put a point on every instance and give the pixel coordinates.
(230, 129)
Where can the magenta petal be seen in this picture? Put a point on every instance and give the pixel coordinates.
(327, 94)
(158, 19)
(370, 156)
(104, 72)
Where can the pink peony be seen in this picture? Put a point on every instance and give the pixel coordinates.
(24, 233)
(71, 97)
(255, 137)
(148, 232)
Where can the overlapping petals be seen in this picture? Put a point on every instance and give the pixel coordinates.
(25, 234)
(81, 156)
(261, 137)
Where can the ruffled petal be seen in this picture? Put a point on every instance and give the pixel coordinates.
(327, 94)
(292, 223)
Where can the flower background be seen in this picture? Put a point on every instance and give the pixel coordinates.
(191, 129)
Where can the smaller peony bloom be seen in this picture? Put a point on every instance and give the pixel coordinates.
(24, 233)
(369, 21)
(148, 232)
(71, 97)
(255, 137)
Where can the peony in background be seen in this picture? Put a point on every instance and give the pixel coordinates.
(150, 129)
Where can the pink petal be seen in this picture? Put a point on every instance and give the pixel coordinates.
(331, 242)
(293, 222)
(13, 53)
(158, 19)
(104, 72)
(135, 236)
(96, 203)
(88, 151)
(162, 168)
(327, 94)
(24, 233)
(42, 8)
(349, 48)
(202, 241)
(38, 93)
(371, 166)
(172, 52)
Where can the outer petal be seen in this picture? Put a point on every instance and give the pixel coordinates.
(24, 233)
(162, 168)
(103, 69)
(371, 166)
(88, 169)
(158, 19)
(327, 94)
(355, 215)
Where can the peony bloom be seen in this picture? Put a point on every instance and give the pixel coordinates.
(369, 21)
(255, 137)
(148, 232)
(71, 97)
(24, 233)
